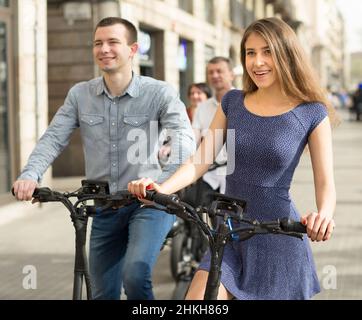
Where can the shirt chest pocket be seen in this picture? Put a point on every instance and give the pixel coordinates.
(135, 120)
(92, 126)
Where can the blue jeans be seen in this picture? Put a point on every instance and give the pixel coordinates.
(124, 246)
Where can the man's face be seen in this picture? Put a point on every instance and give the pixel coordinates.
(111, 50)
(219, 76)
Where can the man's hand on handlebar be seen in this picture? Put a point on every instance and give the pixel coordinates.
(24, 189)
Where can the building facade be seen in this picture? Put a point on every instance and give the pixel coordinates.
(325, 38)
(24, 88)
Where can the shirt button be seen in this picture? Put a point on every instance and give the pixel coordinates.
(136, 122)
(113, 164)
(91, 121)
(114, 146)
(113, 123)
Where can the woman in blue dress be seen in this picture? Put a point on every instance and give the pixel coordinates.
(281, 110)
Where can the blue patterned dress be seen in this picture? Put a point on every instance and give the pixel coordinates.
(267, 151)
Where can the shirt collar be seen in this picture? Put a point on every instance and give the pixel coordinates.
(100, 87)
(133, 88)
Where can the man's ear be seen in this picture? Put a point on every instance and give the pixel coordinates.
(134, 48)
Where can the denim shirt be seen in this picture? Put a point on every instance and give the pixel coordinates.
(120, 135)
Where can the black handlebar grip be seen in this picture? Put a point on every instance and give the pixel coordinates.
(150, 194)
(44, 194)
(36, 192)
(288, 225)
(164, 199)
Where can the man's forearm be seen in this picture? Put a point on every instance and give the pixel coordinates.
(51, 144)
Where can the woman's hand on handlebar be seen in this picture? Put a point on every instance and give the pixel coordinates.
(24, 189)
(319, 227)
(139, 187)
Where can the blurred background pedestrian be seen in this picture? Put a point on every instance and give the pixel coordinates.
(197, 92)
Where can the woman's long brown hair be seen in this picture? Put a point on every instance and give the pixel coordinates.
(296, 76)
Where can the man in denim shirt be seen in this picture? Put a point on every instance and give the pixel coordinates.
(120, 116)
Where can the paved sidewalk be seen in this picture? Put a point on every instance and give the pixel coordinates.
(343, 253)
(44, 237)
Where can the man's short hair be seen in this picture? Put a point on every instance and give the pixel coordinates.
(219, 59)
(110, 21)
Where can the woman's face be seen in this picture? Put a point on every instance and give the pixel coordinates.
(196, 96)
(259, 62)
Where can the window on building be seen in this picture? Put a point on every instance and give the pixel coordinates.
(209, 11)
(237, 9)
(151, 46)
(249, 16)
(146, 53)
(4, 3)
(242, 12)
(209, 53)
(186, 5)
(185, 64)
